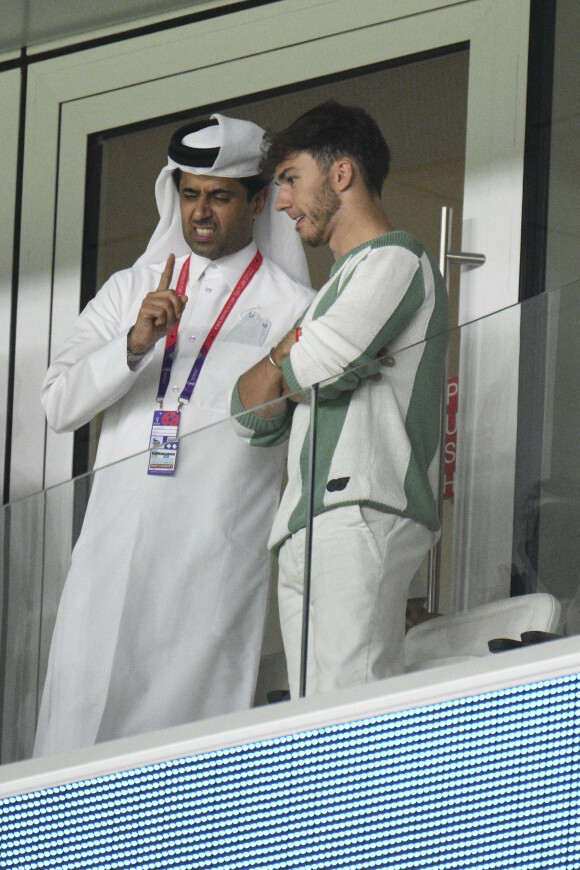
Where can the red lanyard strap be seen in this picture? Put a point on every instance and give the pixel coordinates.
(171, 340)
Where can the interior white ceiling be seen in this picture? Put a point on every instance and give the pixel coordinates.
(29, 23)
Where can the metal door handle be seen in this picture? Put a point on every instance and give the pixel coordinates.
(465, 258)
(446, 256)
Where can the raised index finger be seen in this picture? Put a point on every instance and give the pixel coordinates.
(167, 273)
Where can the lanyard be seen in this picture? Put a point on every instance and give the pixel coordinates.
(171, 340)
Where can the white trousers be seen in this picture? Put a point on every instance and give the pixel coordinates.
(363, 562)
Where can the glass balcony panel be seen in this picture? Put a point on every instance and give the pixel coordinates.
(141, 648)
(531, 595)
(533, 462)
(547, 515)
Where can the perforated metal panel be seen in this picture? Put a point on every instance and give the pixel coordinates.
(488, 782)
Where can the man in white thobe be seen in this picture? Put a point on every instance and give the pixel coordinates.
(162, 614)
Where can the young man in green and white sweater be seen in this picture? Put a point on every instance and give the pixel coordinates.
(375, 513)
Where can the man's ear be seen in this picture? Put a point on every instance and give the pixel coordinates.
(343, 173)
(259, 202)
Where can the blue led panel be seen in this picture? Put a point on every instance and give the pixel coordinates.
(489, 782)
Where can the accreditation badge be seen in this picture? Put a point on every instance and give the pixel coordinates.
(163, 443)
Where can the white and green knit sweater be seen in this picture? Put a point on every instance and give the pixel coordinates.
(377, 441)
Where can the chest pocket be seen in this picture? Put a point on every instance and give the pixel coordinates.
(251, 327)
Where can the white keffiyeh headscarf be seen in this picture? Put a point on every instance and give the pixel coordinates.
(226, 148)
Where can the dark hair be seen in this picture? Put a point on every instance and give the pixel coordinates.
(328, 132)
(252, 183)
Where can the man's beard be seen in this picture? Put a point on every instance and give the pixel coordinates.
(325, 205)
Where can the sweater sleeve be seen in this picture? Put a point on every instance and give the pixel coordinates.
(374, 303)
(91, 371)
(259, 431)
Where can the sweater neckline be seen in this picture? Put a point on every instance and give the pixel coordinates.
(394, 237)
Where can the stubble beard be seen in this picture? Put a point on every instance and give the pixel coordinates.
(325, 205)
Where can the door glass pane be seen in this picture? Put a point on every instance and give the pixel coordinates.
(420, 104)
(555, 496)
(421, 107)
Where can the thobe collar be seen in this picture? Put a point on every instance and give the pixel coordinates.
(230, 267)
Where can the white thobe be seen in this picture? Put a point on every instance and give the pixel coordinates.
(162, 613)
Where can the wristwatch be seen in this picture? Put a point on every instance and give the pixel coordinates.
(132, 357)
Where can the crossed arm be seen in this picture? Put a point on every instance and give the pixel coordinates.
(343, 345)
(265, 382)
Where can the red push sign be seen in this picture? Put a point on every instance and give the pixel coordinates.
(450, 436)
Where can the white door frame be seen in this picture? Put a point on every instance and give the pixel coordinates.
(10, 109)
(72, 96)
